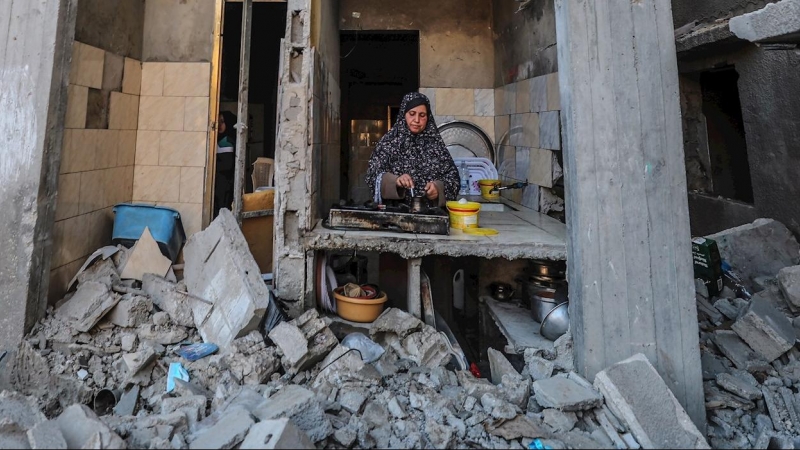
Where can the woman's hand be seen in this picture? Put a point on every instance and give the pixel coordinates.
(430, 191)
(405, 181)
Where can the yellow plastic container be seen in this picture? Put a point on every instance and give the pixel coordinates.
(463, 215)
(486, 189)
(360, 310)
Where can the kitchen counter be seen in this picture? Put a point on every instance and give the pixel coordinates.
(523, 234)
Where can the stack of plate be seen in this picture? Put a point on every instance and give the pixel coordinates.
(479, 169)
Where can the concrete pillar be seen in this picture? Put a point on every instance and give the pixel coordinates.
(630, 266)
(35, 49)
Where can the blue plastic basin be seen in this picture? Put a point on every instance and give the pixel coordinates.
(130, 220)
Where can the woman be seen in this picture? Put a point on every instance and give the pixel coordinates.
(226, 160)
(412, 155)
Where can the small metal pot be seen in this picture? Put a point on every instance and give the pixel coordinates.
(501, 292)
(556, 322)
(419, 204)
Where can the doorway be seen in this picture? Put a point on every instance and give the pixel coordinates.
(269, 27)
(377, 69)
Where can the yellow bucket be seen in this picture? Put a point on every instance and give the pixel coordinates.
(463, 215)
(486, 188)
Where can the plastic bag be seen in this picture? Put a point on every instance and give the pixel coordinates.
(369, 350)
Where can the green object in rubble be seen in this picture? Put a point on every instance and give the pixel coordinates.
(707, 264)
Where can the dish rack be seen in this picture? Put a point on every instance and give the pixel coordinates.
(479, 169)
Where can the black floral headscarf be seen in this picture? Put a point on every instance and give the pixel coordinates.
(424, 156)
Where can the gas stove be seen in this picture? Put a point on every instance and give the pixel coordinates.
(390, 218)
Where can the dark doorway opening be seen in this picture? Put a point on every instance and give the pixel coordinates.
(269, 27)
(377, 69)
(727, 146)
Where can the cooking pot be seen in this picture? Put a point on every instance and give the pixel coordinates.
(501, 291)
(419, 203)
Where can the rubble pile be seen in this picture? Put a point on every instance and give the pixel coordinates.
(750, 360)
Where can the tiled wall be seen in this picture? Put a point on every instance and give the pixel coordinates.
(472, 105)
(528, 135)
(171, 142)
(97, 160)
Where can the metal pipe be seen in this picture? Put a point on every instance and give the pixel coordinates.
(241, 127)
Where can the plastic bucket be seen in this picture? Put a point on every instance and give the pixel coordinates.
(463, 215)
(486, 189)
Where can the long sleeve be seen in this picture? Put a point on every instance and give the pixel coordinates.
(451, 180)
(378, 165)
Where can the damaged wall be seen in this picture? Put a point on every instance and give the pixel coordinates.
(456, 49)
(769, 86)
(686, 11)
(116, 26)
(178, 30)
(527, 103)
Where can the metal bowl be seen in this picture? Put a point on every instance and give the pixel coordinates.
(556, 322)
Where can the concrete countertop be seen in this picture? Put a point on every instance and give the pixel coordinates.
(523, 234)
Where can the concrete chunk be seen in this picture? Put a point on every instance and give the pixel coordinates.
(137, 361)
(776, 22)
(761, 248)
(789, 281)
(476, 387)
(566, 394)
(90, 303)
(738, 386)
(765, 329)
(220, 269)
(276, 434)
(539, 368)
(131, 311)
(304, 341)
(166, 296)
(301, 406)
(228, 432)
(636, 393)
(397, 322)
(427, 348)
(735, 349)
(81, 428)
(499, 366)
(46, 435)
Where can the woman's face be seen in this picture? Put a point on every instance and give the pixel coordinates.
(417, 119)
(222, 126)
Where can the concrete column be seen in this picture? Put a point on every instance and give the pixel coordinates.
(414, 300)
(35, 49)
(630, 266)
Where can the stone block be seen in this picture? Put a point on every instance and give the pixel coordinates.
(566, 393)
(765, 329)
(302, 407)
(228, 432)
(427, 348)
(475, 387)
(499, 366)
(789, 281)
(131, 311)
(194, 405)
(761, 248)
(20, 409)
(777, 22)
(561, 422)
(352, 400)
(46, 435)
(395, 321)
(91, 302)
(539, 368)
(740, 354)
(219, 268)
(550, 130)
(276, 434)
(636, 393)
(139, 360)
(81, 428)
(166, 296)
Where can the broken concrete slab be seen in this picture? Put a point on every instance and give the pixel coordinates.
(131, 311)
(20, 409)
(539, 368)
(761, 248)
(145, 257)
(727, 307)
(636, 393)
(46, 435)
(228, 432)
(427, 348)
(106, 252)
(91, 302)
(302, 407)
(139, 360)
(220, 269)
(713, 365)
(789, 282)
(167, 297)
(127, 402)
(352, 400)
(395, 321)
(303, 341)
(499, 366)
(738, 352)
(161, 335)
(566, 393)
(775, 23)
(250, 360)
(82, 429)
(276, 434)
(765, 329)
(476, 387)
(559, 421)
(738, 386)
